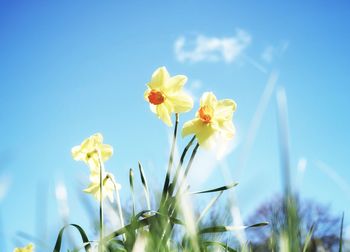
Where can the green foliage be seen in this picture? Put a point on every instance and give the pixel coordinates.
(153, 230)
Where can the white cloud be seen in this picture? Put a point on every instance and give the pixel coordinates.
(271, 52)
(211, 49)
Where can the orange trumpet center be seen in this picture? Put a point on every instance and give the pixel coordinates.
(156, 97)
(205, 114)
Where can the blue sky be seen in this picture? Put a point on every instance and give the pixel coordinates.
(70, 69)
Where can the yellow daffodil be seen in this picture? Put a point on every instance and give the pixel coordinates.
(108, 185)
(89, 150)
(212, 117)
(28, 248)
(165, 95)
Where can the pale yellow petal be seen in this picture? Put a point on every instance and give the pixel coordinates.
(28, 248)
(77, 154)
(191, 127)
(228, 129)
(164, 114)
(175, 84)
(224, 109)
(93, 161)
(181, 102)
(93, 188)
(106, 151)
(208, 99)
(159, 77)
(205, 133)
(97, 138)
(146, 94)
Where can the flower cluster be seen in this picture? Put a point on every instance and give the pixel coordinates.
(94, 153)
(166, 96)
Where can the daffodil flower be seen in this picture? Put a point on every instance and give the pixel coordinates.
(28, 248)
(165, 95)
(212, 117)
(90, 149)
(108, 185)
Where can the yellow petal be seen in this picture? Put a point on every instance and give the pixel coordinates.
(205, 133)
(175, 84)
(208, 99)
(228, 129)
(224, 109)
(90, 143)
(28, 248)
(191, 127)
(106, 151)
(145, 95)
(92, 188)
(181, 102)
(93, 162)
(164, 114)
(77, 154)
(159, 77)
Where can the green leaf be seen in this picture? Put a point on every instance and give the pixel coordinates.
(218, 244)
(221, 229)
(341, 234)
(145, 185)
(82, 234)
(141, 223)
(131, 180)
(219, 189)
(308, 238)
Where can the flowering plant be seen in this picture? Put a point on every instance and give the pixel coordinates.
(153, 228)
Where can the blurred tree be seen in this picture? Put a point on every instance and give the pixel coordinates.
(309, 213)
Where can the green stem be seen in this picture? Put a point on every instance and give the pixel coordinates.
(171, 159)
(189, 165)
(171, 210)
(100, 246)
(178, 169)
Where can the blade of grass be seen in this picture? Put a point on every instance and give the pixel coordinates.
(139, 224)
(218, 244)
(221, 229)
(82, 233)
(219, 189)
(308, 238)
(131, 181)
(145, 186)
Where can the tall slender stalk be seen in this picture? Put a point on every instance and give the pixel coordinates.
(179, 166)
(171, 159)
(100, 245)
(189, 165)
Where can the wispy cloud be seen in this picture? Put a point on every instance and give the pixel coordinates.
(5, 182)
(271, 52)
(211, 49)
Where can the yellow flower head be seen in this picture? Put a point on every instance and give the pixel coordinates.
(108, 185)
(28, 248)
(165, 95)
(212, 117)
(90, 149)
